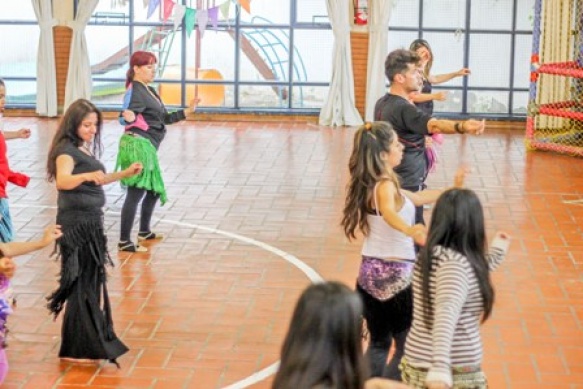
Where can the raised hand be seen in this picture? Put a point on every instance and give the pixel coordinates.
(463, 72)
(460, 176)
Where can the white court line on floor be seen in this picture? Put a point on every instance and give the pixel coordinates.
(310, 273)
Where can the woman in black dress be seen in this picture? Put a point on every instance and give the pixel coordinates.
(87, 332)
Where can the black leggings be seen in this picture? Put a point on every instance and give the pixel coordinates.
(387, 321)
(130, 207)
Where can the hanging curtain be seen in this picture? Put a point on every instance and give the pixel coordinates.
(379, 13)
(46, 79)
(79, 74)
(339, 108)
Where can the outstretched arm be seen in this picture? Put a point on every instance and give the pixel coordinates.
(23, 133)
(13, 249)
(441, 78)
(429, 196)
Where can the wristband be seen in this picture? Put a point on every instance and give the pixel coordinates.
(459, 128)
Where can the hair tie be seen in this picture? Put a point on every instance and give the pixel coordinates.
(368, 126)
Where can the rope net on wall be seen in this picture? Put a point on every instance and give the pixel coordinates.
(555, 117)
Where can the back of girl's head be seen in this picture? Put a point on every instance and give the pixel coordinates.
(139, 58)
(366, 167)
(67, 131)
(2, 83)
(457, 223)
(323, 344)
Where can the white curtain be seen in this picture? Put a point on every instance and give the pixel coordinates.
(79, 74)
(339, 108)
(379, 13)
(46, 77)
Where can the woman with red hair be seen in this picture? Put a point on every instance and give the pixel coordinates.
(145, 118)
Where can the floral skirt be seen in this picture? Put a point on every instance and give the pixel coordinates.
(464, 377)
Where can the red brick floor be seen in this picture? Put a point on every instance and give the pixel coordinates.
(206, 308)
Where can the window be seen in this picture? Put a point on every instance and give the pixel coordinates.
(18, 66)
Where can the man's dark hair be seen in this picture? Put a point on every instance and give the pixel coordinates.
(397, 62)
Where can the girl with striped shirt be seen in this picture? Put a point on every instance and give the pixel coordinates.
(452, 296)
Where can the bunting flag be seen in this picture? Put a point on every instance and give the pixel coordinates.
(168, 7)
(179, 11)
(152, 7)
(189, 20)
(246, 5)
(203, 19)
(193, 16)
(225, 9)
(213, 15)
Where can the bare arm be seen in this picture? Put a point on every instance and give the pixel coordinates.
(423, 197)
(425, 97)
(135, 168)
(443, 126)
(441, 78)
(388, 208)
(430, 196)
(23, 133)
(13, 249)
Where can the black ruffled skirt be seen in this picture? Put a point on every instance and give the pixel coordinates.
(87, 331)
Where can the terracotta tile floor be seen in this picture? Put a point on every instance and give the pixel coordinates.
(209, 306)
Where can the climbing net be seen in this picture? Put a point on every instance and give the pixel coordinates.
(555, 114)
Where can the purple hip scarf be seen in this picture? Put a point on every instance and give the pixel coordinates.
(384, 279)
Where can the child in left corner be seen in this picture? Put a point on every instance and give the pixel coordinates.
(7, 175)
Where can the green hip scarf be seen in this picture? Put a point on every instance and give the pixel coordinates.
(464, 377)
(138, 149)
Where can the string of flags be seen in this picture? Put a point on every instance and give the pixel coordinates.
(192, 16)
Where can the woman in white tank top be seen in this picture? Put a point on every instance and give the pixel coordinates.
(385, 214)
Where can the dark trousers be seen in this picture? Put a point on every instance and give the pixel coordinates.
(387, 321)
(130, 207)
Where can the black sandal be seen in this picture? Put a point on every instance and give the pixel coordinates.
(130, 247)
(149, 236)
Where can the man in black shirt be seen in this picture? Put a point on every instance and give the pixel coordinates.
(410, 123)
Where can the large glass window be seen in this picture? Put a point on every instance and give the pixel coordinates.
(20, 33)
(278, 56)
(491, 37)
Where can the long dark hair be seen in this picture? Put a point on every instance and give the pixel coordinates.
(366, 168)
(416, 45)
(457, 223)
(67, 132)
(139, 58)
(323, 345)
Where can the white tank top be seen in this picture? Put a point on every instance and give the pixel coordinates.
(383, 241)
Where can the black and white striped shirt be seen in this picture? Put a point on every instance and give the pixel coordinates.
(454, 339)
